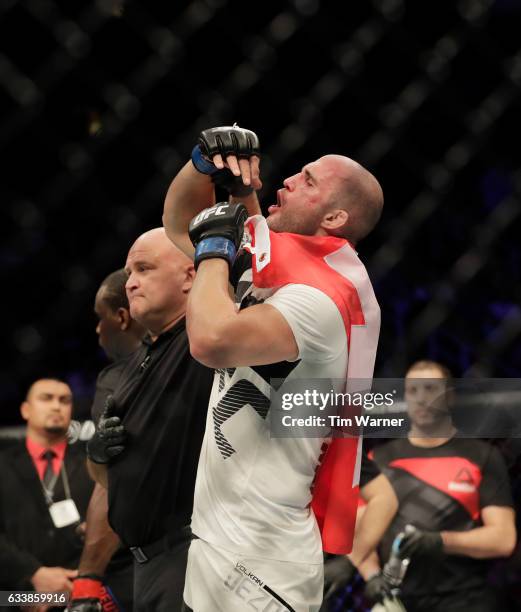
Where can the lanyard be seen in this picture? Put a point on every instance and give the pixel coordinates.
(48, 492)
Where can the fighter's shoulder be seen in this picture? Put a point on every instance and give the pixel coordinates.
(312, 307)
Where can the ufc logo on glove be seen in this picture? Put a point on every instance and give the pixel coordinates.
(215, 211)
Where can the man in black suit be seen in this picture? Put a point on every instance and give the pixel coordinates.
(44, 492)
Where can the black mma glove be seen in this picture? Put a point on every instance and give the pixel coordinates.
(421, 544)
(377, 589)
(225, 141)
(109, 439)
(338, 572)
(217, 232)
(227, 180)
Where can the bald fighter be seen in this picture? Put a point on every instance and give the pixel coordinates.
(148, 438)
(301, 303)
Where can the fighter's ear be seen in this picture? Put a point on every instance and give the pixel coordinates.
(335, 220)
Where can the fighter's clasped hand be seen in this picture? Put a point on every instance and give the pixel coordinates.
(230, 155)
(109, 440)
(216, 232)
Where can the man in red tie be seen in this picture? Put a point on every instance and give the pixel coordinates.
(44, 491)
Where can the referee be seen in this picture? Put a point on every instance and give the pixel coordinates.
(147, 444)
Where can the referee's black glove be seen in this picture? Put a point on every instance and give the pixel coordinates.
(109, 440)
(421, 544)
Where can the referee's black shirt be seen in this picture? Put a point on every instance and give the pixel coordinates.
(162, 397)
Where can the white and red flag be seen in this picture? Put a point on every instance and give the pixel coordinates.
(331, 265)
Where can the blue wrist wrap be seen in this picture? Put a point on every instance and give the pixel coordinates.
(215, 247)
(201, 164)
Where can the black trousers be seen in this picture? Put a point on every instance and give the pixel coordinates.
(159, 583)
(121, 584)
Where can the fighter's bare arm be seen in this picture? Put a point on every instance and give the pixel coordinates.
(221, 336)
(189, 193)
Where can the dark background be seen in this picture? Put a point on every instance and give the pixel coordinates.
(101, 103)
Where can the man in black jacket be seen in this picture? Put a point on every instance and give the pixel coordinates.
(39, 541)
(105, 569)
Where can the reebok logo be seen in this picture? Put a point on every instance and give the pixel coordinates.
(463, 482)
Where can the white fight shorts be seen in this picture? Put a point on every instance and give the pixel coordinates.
(221, 581)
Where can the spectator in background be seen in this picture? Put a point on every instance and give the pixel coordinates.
(456, 492)
(39, 546)
(119, 336)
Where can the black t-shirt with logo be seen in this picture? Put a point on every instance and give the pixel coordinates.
(442, 489)
(162, 397)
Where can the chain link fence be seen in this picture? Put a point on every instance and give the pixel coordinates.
(102, 101)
